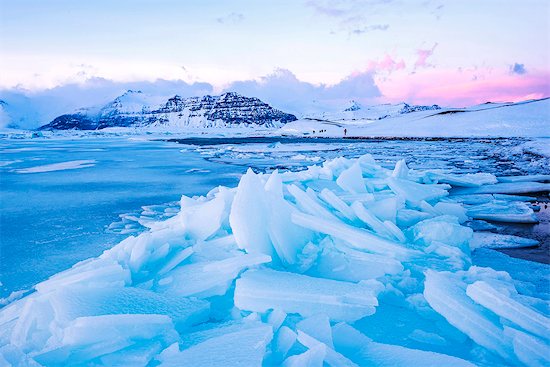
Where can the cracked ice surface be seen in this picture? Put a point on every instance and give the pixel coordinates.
(343, 264)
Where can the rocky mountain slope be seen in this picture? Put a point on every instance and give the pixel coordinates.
(136, 109)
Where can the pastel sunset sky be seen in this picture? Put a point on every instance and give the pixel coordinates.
(376, 51)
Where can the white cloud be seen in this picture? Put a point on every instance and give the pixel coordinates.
(284, 91)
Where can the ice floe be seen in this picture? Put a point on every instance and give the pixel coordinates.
(342, 264)
(58, 166)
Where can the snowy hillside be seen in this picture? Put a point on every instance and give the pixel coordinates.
(356, 111)
(523, 119)
(136, 109)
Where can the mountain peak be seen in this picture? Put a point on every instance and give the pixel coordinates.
(354, 106)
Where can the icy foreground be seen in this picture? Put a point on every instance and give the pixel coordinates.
(301, 269)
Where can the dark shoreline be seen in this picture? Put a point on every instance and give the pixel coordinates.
(321, 139)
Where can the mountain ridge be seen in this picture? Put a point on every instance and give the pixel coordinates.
(136, 109)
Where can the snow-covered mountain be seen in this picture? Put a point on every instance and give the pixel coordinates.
(355, 111)
(137, 109)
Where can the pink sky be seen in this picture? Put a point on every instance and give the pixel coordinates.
(463, 88)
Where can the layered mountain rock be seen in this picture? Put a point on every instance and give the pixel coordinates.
(136, 109)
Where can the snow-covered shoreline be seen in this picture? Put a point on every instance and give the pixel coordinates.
(290, 267)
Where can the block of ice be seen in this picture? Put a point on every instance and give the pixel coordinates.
(248, 217)
(514, 197)
(287, 238)
(415, 192)
(409, 217)
(503, 211)
(309, 203)
(332, 358)
(261, 290)
(276, 318)
(365, 352)
(386, 209)
(284, 340)
(453, 209)
(318, 327)
(528, 178)
(510, 309)
(312, 357)
(449, 299)
(341, 262)
(203, 219)
(351, 180)
(401, 170)
(87, 338)
(244, 345)
(357, 237)
(338, 204)
(495, 240)
(505, 188)
(530, 350)
(442, 229)
(59, 308)
(209, 278)
(466, 180)
(92, 273)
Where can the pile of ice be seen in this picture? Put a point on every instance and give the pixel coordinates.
(343, 264)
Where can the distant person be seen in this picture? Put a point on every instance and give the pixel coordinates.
(345, 132)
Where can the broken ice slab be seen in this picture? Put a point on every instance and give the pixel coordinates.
(480, 225)
(98, 272)
(248, 216)
(530, 350)
(503, 211)
(317, 326)
(365, 352)
(206, 279)
(529, 178)
(87, 338)
(341, 262)
(241, 344)
(351, 180)
(409, 217)
(496, 241)
(331, 357)
(414, 192)
(357, 237)
(514, 197)
(262, 290)
(531, 278)
(473, 199)
(69, 304)
(465, 180)
(60, 307)
(504, 188)
(505, 306)
(446, 295)
(313, 357)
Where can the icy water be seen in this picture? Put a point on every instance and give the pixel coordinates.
(64, 200)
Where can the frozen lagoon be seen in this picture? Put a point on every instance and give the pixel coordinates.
(53, 217)
(251, 293)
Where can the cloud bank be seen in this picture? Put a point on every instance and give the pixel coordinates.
(283, 90)
(30, 109)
